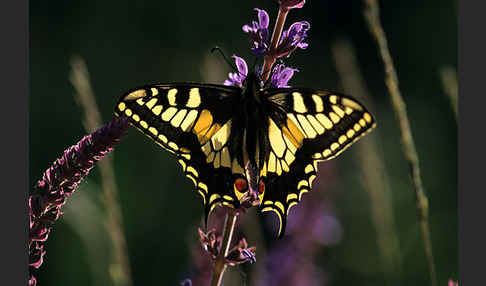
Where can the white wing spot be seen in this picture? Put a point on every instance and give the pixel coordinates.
(171, 96)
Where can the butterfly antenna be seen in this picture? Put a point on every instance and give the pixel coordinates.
(232, 65)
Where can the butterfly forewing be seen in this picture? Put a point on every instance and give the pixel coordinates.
(192, 121)
(316, 126)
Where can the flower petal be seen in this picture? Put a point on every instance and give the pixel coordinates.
(281, 76)
(241, 65)
(247, 28)
(263, 18)
(258, 32)
(286, 75)
(236, 79)
(292, 39)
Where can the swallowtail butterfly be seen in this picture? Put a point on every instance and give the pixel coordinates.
(213, 130)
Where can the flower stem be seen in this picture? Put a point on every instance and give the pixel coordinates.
(270, 58)
(372, 18)
(220, 265)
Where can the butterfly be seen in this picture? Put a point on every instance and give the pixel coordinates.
(215, 131)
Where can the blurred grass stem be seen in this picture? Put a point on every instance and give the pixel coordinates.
(120, 267)
(220, 263)
(84, 215)
(372, 166)
(448, 75)
(371, 14)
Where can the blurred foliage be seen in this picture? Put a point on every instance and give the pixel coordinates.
(130, 43)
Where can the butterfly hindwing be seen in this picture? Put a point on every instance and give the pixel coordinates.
(193, 121)
(308, 126)
(285, 190)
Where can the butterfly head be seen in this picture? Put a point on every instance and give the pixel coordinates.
(251, 85)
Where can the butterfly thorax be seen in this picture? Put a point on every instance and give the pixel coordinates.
(251, 87)
(254, 118)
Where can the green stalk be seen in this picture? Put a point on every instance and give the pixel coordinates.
(371, 14)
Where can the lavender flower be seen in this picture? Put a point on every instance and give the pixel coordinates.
(61, 179)
(241, 253)
(281, 76)
(203, 257)
(291, 4)
(236, 79)
(32, 281)
(206, 256)
(209, 242)
(258, 33)
(292, 39)
(452, 283)
(186, 282)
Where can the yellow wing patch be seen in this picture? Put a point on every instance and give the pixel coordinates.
(216, 149)
(203, 125)
(284, 142)
(299, 105)
(194, 98)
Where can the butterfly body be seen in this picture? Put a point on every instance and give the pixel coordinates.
(217, 131)
(251, 122)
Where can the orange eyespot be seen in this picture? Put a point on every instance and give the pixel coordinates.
(241, 185)
(261, 187)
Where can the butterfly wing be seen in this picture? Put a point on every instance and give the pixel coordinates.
(306, 126)
(193, 121)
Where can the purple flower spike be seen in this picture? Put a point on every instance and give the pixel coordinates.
(61, 180)
(186, 282)
(292, 39)
(258, 33)
(241, 253)
(32, 281)
(236, 79)
(291, 4)
(281, 76)
(209, 242)
(247, 254)
(452, 283)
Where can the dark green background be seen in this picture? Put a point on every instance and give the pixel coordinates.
(127, 44)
